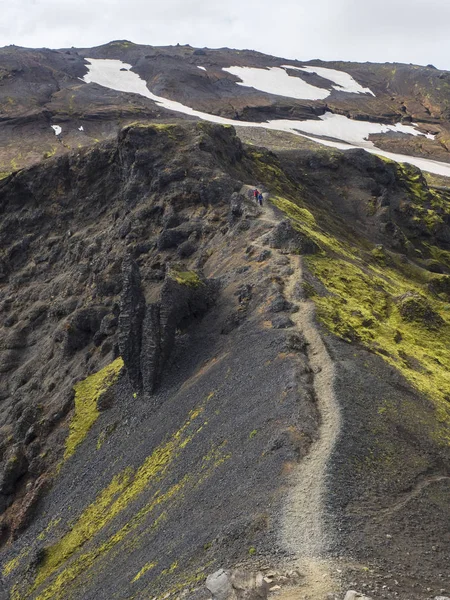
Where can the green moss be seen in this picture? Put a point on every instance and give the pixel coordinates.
(50, 153)
(148, 567)
(188, 278)
(304, 221)
(252, 551)
(266, 168)
(424, 207)
(87, 393)
(362, 306)
(171, 569)
(253, 433)
(12, 564)
(58, 587)
(124, 44)
(112, 501)
(4, 174)
(105, 434)
(363, 285)
(380, 256)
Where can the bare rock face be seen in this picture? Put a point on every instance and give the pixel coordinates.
(151, 347)
(3, 594)
(183, 299)
(132, 312)
(147, 332)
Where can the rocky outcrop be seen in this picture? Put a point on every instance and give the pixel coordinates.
(184, 298)
(147, 332)
(415, 308)
(132, 312)
(15, 466)
(285, 237)
(237, 585)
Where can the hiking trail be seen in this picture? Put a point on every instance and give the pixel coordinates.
(305, 531)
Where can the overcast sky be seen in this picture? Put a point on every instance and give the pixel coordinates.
(415, 31)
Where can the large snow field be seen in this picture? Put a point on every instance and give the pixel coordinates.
(346, 133)
(275, 80)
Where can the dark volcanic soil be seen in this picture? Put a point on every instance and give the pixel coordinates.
(170, 483)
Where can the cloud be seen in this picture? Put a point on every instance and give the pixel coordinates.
(393, 30)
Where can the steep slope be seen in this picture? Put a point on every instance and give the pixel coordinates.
(169, 404)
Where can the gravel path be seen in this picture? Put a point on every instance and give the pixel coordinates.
(304, 532)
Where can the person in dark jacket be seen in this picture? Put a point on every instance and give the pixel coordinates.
(260, 199)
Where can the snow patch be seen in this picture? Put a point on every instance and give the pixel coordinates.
(348, 130)
(352, 134)
(81, 128)
(202, 68)
(275, 80)
(57, 129)
(344, 81)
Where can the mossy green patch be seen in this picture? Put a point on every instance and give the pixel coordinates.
(304, 221)
(188, 278)
(12, 564)
(105, 434)
(426, 208)
(64, 561)
(148, 567)
(87, 392)
(362, 304)
(266, 168)
(50, 153)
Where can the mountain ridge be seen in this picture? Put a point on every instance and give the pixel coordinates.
(168, 348)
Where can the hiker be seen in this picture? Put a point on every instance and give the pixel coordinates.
(255, 195)
(260, 198)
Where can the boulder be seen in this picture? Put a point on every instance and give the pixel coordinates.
(282, 322)
(285, 237)
(237, 585)
(186, 249)
(351, 595)
(219, 584)
(280, 304)
(415, 308)
(171, 238)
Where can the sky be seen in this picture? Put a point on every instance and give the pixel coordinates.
(409, 31)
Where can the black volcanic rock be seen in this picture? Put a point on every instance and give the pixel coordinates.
(131, 317)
